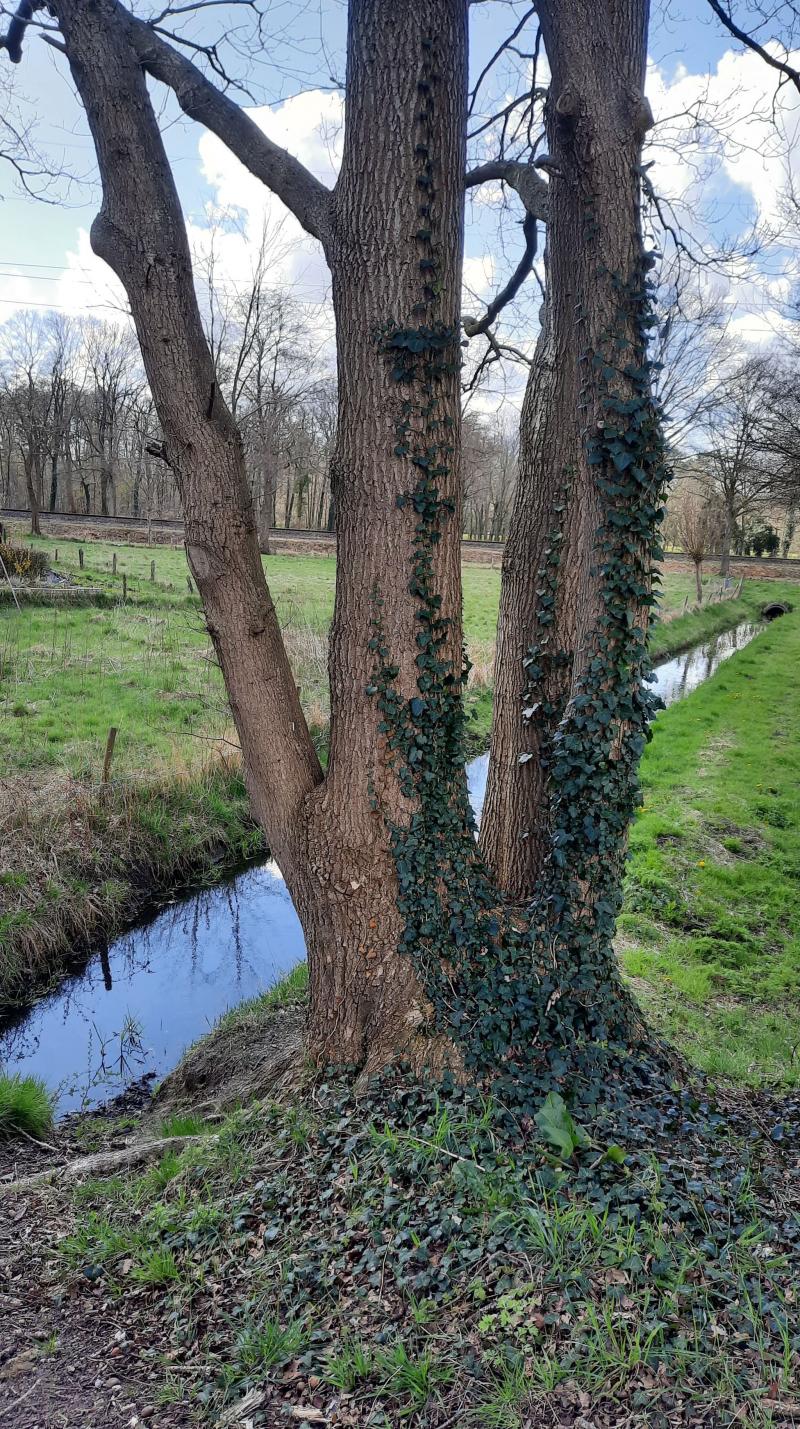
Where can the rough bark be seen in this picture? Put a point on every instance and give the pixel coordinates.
(596, 118)
(141, 234)
(369, 995)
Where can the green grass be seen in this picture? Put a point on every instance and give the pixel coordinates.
(78, 858)
(711, 927)
(147, 667)
(26, 1106)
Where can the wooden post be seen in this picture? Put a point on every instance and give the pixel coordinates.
(124, 586)
(55, 558)
(112, 735)
(152, 570)
(114, 564)
(80, 557)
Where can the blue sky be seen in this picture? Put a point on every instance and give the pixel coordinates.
(718, 184)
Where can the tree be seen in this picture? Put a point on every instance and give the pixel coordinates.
(24, 358)
(698, 526)
(397, 348)
(111, 356)
(736, 469)
(411, 950)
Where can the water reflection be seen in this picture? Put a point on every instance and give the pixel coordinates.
(678, 677)
(139, 1003)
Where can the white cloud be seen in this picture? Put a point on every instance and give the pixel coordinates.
(726, 145)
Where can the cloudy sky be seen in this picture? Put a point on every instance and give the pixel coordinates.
(719, 160)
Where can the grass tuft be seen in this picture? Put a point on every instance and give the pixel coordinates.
(26, 1106)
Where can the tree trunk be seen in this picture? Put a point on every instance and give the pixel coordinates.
(537, 623)
(552, 592)
(68, 482)
(33, 499)
(728, 529)
(396, 638)
(698, 581)
(106, 484)
(406, 76)
(54, 481)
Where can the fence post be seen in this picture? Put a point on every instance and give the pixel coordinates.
(152, 570)
(80, 557)
(124, 586)
(112, 735)
(114, 564)
(55, 558)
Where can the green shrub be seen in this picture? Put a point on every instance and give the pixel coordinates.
(25, 1106)
(24, 561)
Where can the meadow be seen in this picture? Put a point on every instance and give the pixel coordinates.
(708, 933)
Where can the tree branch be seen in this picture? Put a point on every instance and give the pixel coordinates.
(523, 178)
(12, 40)
(532, 189)
(782, 66)
(474, 327)
(303, 194)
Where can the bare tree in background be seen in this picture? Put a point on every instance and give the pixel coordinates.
(735, 469)
(699, 527)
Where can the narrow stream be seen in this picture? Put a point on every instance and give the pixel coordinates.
(135, 1007)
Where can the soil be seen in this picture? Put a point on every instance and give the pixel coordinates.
(238, 1062)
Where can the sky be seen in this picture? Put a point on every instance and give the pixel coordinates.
(721, 180)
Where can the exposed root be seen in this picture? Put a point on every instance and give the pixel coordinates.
(103, 1163)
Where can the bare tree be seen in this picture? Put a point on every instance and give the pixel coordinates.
(736, 470)
(698, 526)
(24, 358)
(112, 358)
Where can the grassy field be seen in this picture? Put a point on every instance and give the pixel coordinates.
(79, 859)
(711, 929)
(146, 667)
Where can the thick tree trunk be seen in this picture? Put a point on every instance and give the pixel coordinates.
(551, 594)
(403, 62)
(537, 622)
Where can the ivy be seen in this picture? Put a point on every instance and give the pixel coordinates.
(531, 997)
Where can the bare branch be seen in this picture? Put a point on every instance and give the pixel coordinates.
(523, 178)
(782, 66)
(473, 327)
(303, 194)
(12, 40)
